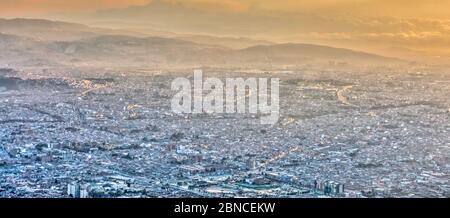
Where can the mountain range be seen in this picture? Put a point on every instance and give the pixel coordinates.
(30, 42)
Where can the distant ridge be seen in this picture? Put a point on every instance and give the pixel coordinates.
(43, 42)
(300, 50)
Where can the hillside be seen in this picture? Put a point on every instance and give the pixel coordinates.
(41, 42)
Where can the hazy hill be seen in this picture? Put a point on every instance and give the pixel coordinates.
(42, 42)
(47, 30)
(132, 50)
(229, 42)
(129, 50)
(293, 52)
(24, 51)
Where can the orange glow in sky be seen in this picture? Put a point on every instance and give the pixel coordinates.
(419, 25)
(42, 7)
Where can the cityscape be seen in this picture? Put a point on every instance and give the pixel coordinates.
(115, 136)
(86, 113)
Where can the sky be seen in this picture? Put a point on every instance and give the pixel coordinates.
(399, 8)
(402, 8)
(26, 8)
(397, 26)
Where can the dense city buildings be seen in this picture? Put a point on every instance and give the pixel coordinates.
(343, 132)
